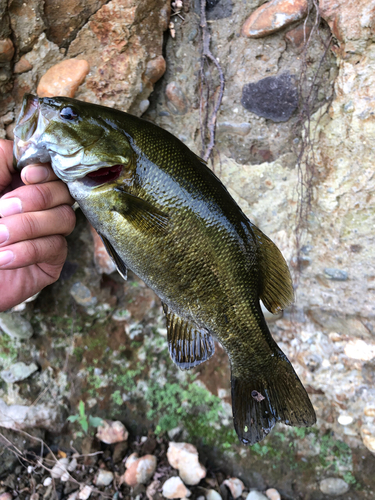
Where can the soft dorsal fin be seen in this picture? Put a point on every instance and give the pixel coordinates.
(188, 345)
(276, 290)
(121, 268)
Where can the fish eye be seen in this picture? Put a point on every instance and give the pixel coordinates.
(68, 113)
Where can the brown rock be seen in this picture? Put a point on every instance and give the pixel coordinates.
(140, 471)
(298, 37)
(26, 20)
(63, 79)
(177, 102)
(155, 69)
(103, 262)
(112, 432)
(273, 16)
(6, 50)
(22, 66)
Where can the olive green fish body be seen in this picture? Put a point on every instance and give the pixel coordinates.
(163, 214)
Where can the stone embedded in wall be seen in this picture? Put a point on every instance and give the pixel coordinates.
(124, 50)
(299, 36)
(22, 66)
(6, 50)
(26, 20)
(176, 99)
(274, 97)
(63, 79)
(273, 16)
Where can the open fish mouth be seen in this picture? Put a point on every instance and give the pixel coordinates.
(106, 174)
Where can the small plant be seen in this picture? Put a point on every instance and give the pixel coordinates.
(85, 421)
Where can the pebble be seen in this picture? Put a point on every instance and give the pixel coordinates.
(63, 79)
(333, 486)
(131, 459)
(6, 496)
(369, 411)
(103, 262)
(140, 471)
(155, 69)
(110, 432)
(273, 494)
(153, 489)
(213, 495)
(184, 457)
(85, 493)
(73, 465)
(82, 295)
(336, 274)
(256, 495)
(16, 326)
(273, 16)
(345, 419)
(22, 66)
(47, 481)
(175, 488)
(359, 349)
(103, 478)
(6, 50)
(17, 372)
(177, 102)
(59, 468)
(273, 97)
(144, 105)
(235, 486)
(65, 477)
(298, 37)
(241, 129)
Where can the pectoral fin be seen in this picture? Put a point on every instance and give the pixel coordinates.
(276, 283)
(140, 213)
(188, 345)
(121, 268)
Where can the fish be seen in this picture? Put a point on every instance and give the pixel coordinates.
(164, 214)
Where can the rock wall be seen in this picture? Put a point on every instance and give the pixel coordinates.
(284, 91)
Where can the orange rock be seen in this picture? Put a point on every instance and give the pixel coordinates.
(6, 50)
(103, 262)
(22, 66)
(273, 16)
(298, 37)
(140, 471)
(177, 101)
(63, 79)
(155, 69)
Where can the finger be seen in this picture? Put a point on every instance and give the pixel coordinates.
(32, 225)
(50, 249)
(6, 163)
(34, 198)
(38, 174)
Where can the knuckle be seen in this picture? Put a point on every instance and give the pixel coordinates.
(44, 195)
(29, 225)
(68, 219)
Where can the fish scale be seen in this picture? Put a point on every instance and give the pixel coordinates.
(168, 218)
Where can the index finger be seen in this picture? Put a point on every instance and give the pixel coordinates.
(6, 163)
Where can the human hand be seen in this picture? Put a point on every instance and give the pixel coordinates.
(35, 217)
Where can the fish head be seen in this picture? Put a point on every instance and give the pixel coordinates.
(80, 143)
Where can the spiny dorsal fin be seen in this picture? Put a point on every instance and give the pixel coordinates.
(140, 213)
(121, 268)
(276, 289)
(188, 345)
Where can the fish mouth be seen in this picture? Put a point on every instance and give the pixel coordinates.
(27, 132)
(106, 174)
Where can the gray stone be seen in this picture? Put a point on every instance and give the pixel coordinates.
(218, 9)
(16, 326)
(256, 495)
(336, 274)
(82, 295)
(274, 97)
(333, 486)
(17, 372)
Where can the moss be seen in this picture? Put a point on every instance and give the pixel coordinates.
(8, 350)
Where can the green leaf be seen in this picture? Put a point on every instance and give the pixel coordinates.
(73, 418)
(95, 421)
(81, 408)
(84, 425)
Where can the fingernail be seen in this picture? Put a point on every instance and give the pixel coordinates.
(33, 175)
(10, 206)
(4, 233)
(6, 257)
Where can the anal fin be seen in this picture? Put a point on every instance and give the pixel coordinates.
(188, 344)
(121, 268)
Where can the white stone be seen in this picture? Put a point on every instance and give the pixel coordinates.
(73, 465)
(59, 468)
(359, 349)
(273, 494)
(184, 457)
(333, 486)
(345, 419)
(104, 477)
(85, 492)
(213, 495)
(175, 488)
(131, 458)
(256, 495)
(47, 481)
(235, 486)
(65, 477)
(112, 432)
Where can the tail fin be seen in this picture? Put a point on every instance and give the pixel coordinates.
(275, 395)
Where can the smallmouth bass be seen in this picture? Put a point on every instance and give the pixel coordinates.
(162, 213)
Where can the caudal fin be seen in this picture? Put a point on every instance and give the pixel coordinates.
(276, 395)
